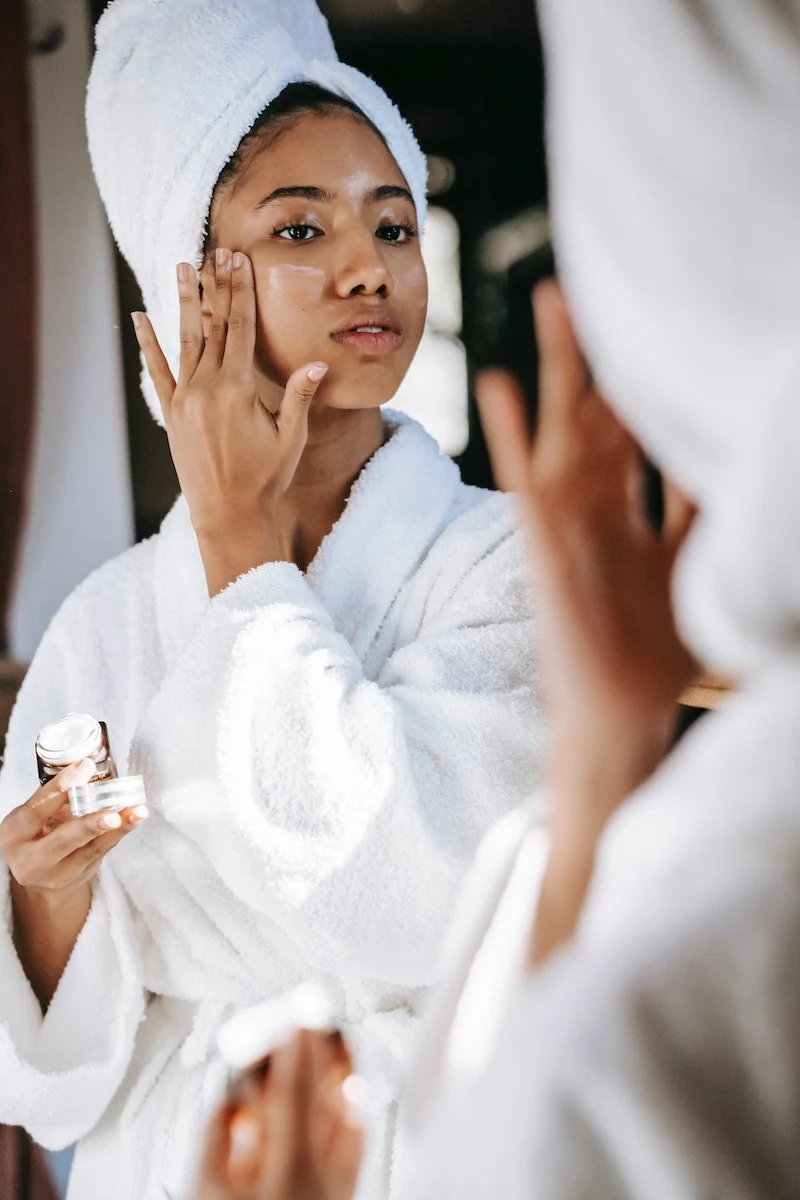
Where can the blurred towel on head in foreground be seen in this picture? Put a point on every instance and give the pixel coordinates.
(684, 279)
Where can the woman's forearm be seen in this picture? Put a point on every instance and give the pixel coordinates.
(46, 925)
(588, 785)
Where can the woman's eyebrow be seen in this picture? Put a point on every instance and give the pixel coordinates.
(302, 193)
(387, 191)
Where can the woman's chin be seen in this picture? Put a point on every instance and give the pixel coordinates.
(359, 392)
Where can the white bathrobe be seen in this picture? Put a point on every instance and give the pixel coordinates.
(322, 754)
(657, 1056)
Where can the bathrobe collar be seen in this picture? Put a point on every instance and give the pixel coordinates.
(397, 507)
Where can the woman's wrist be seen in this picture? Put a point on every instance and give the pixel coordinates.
(603, 764)
(44, 910)
(228, 555)
(45, 927)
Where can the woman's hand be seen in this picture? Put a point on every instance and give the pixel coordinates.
(613, 662)
(234, 458)
(52, 857)
(290, 1133)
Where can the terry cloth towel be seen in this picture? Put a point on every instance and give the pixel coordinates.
(175, 86)
(322, 755)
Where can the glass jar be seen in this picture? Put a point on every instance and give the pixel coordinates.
(70, 739)
(73, 738)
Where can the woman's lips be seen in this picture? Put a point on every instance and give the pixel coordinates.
(367, 341)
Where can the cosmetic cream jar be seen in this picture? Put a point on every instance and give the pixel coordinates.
(73, 738)
(106, 794)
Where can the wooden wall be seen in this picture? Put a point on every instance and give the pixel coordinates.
(17, 295)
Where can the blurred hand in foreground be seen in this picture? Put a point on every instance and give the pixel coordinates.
(287, 1131)
(613, 662)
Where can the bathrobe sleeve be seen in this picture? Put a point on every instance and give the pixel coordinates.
(662, 1069)
(58, 1073)
(352, 804)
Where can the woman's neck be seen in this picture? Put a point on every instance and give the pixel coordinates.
(340, 442)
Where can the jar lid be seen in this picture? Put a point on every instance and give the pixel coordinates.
(70, 739)
(106, 794)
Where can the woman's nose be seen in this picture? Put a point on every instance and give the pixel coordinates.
(362, 270)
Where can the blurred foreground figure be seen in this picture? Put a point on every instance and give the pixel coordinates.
(657, 1053)
(642, 1039)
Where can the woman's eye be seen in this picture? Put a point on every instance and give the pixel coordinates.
(297, 233)
(395, 233)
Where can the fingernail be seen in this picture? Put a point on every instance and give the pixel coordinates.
(140, 813)
(238, 259)
(222, 257)
(355, 1094)
(317, 372)
(245, 1135)
(136, 317)
(84, 770)
(184, 272)
(110, 820)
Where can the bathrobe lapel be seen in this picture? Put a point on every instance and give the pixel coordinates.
(397, 508)
(484, 961)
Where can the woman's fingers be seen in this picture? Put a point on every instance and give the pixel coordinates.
(34, 817)
(679, 516)
(293, 416)
(81, 841)
(213, 1182)
(240, 345)
(289, 1094)
(220, 314)
(287, 1112)
(191, 322)
(563, 377)
(101, 836)
(501, 403)
(155, 360)
(68, 854)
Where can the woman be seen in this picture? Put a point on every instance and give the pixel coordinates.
(320, 664)
(649, 1043)
(613, 665)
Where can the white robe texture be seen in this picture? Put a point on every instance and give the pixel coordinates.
(657, 1055)
(322, 754)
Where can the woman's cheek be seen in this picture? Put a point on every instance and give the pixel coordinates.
(291, 284)
(415, 288)
(288, 297)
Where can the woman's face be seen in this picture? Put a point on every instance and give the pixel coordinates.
(327, 220)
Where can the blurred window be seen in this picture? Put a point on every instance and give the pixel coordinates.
(434, 391)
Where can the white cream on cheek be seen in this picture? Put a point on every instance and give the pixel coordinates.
(289, 282)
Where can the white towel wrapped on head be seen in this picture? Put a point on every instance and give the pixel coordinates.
(175, 86)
